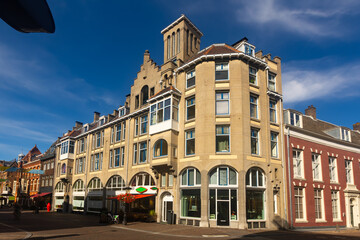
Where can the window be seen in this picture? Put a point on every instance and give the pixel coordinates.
(318, 203)
(144, 94)
(222, 138)
(168, 47)
(255, 141)
(221, 71)
(152, 91)
(173, 44)
(71, 147)
(82, 145)
(272, 82)
(332, 169)
(95, 184)
(191, 177)
(254, 106)
(299, 203)
(190, 200)
(171, 180)
(122, 156)
(116, 183)
(143, 152)
(255, 194)
(298, 164)
(118, 133)
(124, 130)
(79, 167)
(96, 162)
(345, 134)
(316, 166)
(163, 180)
(295, 119)
(111, 159)
(249, 50)
(190, 108)
(98, 139)
(274, 144)
(63, 168)
(142, 179)
(335, 204)
(190, 79)
(191, 41)
(190, 142)
(137, 101)
(348, 170)
(222, 103)
(64, 147)
(175, 112)
(160, 112)
(161, 148)
(143, 125)
(135, 154)
(178, 40)
(136, 126)
(252, 75)
(117, 157)
(223, 176)
(272, 105)
(79, 186)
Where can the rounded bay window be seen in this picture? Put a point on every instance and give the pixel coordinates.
(160, 148)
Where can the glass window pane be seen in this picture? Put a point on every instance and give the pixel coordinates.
(191, 177)
(198, 177)
(222, 176)
(232, 177)
(222, 194)
(222, 107)
(213, 177)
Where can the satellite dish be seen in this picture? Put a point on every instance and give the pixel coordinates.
(27, 15)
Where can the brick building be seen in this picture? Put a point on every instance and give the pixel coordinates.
(323, 163)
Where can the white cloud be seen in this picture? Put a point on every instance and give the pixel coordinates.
(309, 18)
(304, 84)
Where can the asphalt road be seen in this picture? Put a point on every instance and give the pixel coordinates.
(73, 226)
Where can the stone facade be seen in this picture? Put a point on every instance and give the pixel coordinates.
(199, 135)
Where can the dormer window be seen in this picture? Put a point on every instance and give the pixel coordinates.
(345, 135)
(295, 119)
(249, 50)
(121, 112)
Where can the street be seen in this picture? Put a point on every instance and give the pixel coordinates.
(74, 226)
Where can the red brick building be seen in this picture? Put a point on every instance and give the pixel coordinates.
(323, 172)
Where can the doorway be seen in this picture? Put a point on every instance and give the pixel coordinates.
(352, 212)
(167, 205)
(223, 213)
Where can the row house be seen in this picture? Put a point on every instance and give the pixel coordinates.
(323, 169)
(199, 135)
(7, 178)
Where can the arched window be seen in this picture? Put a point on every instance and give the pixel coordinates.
(79, 186)
(190, 193)
(195, 42)
(255, 194)
(223, 186)
(168, 47)
(191, 41)
(187, 41)
(173, 44)
(142, 179)
(144, 94)
(116, 182)
(223, 176)
(178, 40)
(59, 187)
(95, 184)
(63, 168)
(160, 148)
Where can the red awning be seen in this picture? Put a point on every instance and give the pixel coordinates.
(40, 195)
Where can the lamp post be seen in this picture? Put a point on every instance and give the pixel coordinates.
(126, 199)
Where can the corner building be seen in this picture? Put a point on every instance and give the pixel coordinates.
(199, 136)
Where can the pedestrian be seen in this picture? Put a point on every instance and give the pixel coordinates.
(48, 206)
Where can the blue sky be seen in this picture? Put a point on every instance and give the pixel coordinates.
(49, 81)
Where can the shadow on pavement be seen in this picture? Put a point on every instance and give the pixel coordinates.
(51, 237)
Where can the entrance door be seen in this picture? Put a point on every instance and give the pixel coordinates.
(352, 213)
(223, 213)
(167, 206)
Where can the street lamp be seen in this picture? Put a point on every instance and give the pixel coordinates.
(126, 199)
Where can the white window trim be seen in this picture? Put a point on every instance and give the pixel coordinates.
(218, 63)
(304, 219)
(320, 167)
(301, 156)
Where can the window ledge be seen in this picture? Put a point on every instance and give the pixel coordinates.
(318, 181)
(320, 221)
(222, 80)
(337, 220)
(255, 119)
(192, 87)
(190, 120)
(337, 183)
(275, 158)
(223, 153)
(254, 85)
(189, 156)
(275, 124)
(300, 178)
(301, 221)
(222, 115)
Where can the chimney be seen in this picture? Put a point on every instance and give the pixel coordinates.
(96, 116)
(115, 113)
(311, 111)
(78, 124)
(146, 56)
(356, 126)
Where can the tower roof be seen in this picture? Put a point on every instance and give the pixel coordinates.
(182, 17)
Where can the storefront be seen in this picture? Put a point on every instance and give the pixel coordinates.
(78, 195)
(95, 195)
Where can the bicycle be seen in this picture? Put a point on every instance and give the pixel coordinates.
(113, 219)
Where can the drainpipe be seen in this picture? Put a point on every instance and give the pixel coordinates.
(289, 176)
(282, 157)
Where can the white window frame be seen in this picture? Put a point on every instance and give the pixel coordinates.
(257, 140)
(302, 196)
(297, 119)
(316, 164)
(192, 104)
(222, 67)
(272, 81)
(253, 73)
(222, 98)
(189, 76)
(321, 201)
(298, 163)
(273, 109)
(223, 127)
(333, 169)
(275, 142)
(254, 105)
(348, 171)
(192, 137)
